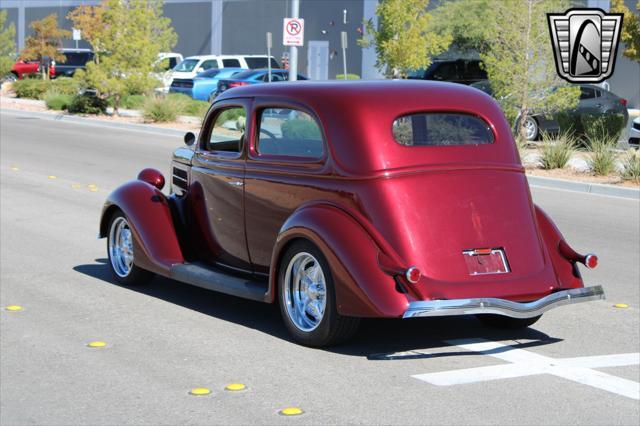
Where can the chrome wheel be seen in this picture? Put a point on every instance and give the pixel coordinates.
(305, 292)
(530, 129)
(121, 247)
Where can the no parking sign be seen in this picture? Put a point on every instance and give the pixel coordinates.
(293, 32)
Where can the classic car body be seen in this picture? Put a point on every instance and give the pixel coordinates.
(352, 218)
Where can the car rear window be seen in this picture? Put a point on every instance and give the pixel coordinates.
(441, 129)
(76, 58)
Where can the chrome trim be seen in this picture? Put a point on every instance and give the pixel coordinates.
(407, 275)
(439, 308)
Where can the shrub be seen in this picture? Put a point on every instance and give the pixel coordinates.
(603, 157)
(349, 77)
(57, 101)
(556, 155)
(88, 103)
(603, 126)
(32, 88)
(160, 110)
(631, 166)
(130, 102)
(196, 108)
(300, 129)
(65, 86)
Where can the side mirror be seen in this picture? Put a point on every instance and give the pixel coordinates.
(189, 139)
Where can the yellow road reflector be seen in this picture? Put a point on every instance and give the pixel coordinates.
(290, 411)
(93, 189)
(620, 305)
(14, 168)
(76, 186)
(97, 344)
(235, 387)
(92, 185)
(200, 391)
(52, 177)
(13, 308)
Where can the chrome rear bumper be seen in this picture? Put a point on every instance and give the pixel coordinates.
(439, 308)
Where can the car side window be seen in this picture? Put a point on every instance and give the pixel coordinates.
(207, 65)
(289, 132)
(227, 131)
(231, 63)
(587, 93)
(446, 71)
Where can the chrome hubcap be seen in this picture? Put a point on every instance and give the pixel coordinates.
(121, 247)
(529, 128)
(305, 292)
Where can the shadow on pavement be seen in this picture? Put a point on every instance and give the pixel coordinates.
(377, 339)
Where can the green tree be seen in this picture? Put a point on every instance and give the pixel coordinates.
(135, 32)
(45, 42)
(520, 62)
(403, 40)
(466, 23)
(89, 20)
(7, 44)
(630, 29)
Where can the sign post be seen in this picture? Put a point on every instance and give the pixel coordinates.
(77, 35)
(269, 46)
(293, 36)
(343, 40)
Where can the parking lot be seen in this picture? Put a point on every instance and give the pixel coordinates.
(577, 365)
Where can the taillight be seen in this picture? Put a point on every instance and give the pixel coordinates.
(591, 261)
(237, 84)
(413, 275)
(623, 102)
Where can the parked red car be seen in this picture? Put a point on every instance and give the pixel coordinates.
(23, 68)
(74, 59)
(347, 200)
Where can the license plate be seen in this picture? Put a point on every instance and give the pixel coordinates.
(486, 261)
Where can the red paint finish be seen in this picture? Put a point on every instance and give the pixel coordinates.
(374, 207)
(155, 241)
(25, 68)
(153, 177)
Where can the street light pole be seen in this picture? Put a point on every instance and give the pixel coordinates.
(293, 55)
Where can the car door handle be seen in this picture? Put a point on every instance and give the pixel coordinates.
(235, 183)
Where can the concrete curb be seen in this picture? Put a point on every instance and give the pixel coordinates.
(590, 188)
(148, 128)
(545, 182)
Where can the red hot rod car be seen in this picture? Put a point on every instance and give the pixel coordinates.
(347, 200)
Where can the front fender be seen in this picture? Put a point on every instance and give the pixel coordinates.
(363, 289)
(156, 245)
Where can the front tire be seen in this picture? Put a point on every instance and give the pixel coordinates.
(307, 298)
(507, 323)
(121, 253)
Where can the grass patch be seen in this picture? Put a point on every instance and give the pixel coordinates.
(87, 103)
(160, 110)
(556, 155)
(57, 101)
(129, 101)
(603, 158)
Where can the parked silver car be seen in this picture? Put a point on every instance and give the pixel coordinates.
(634, 133)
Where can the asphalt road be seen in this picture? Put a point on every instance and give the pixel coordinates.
(167, 338)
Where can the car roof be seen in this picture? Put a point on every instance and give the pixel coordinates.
(357, 118)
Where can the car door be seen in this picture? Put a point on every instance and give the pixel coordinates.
(286, 167)
(589, 101)
(218, 184)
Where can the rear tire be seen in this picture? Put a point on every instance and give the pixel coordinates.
(121, 254)
(307, 298)
(507, 323)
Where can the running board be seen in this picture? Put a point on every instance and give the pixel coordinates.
(214, 279)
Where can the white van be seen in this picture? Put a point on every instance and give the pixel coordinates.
(193, 65)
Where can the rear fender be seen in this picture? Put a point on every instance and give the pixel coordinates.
(363, 289)
(154, 237)
(566, 271)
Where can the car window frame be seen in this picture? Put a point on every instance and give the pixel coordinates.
(209, 123)
(253, 154)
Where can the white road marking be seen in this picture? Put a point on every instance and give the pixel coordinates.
(525, 363)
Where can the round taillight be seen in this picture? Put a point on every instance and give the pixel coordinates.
(152, 177)
(591, 261)
(413, 275)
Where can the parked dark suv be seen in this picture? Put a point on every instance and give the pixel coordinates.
(464, 71)
(75, 58)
